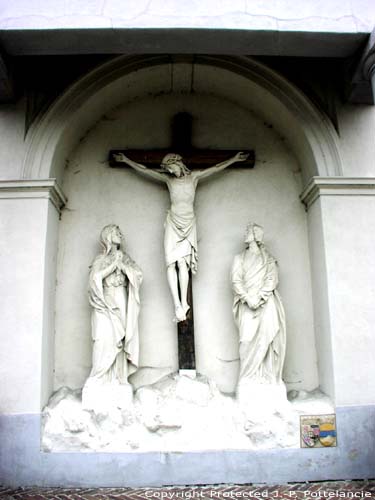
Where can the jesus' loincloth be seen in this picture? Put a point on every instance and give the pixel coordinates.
(180, 239)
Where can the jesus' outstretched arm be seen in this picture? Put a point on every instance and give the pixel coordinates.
(147, 172)
(202, 174)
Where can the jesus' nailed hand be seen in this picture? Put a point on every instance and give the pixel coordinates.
(180, 238)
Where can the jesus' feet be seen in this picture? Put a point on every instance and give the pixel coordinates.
(186, 308)
(179, 314)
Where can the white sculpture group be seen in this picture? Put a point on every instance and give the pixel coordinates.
(115, 282)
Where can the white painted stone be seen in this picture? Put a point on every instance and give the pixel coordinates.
(185, 8)
(311, 403)
(321, 16)
(349, 244)
(188, 373)
(364, 14)
(357, 152)
(195, 391)
(339, 218)
(308, 16)
(26, 357)
(181, 414)
(268, 417)
(321, 303)
(104, 396)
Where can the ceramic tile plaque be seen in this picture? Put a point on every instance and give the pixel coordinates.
(318, 431)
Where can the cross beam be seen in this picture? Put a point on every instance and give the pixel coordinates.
(193, 158)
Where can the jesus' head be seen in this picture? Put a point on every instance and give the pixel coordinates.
(173, 164)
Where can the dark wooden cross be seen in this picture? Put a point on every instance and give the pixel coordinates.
(193, 158)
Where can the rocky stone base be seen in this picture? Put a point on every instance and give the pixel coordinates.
(178, 413)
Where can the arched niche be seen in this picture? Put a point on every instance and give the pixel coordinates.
(239, 82)
(250, 83)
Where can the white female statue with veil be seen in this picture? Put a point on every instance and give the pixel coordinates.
(114, 284)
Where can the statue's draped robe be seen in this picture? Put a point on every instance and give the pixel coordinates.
(180, 239)
(261, 331)
(114, 320)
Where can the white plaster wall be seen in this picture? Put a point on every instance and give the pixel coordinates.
(311, 15)
(22, 259)
(99, 195)
(12, 145)
(357, 139)
(49, 286)
(322, 317)
(349, 229)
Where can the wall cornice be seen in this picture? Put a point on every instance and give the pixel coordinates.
(360, 88)
(337, 186)
(30, 188)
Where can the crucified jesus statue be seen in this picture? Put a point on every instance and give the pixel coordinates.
(180, 238)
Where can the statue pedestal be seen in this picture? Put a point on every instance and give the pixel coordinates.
(268, 417)
(102, 397)
(188, 373)
(261, 396)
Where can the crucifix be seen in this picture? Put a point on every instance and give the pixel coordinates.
(180, 239)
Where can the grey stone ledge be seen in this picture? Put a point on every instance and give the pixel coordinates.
(33, 189)
(337, 186)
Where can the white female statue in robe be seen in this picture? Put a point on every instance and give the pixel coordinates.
(258, 311)
(114, 285)
(180, 239)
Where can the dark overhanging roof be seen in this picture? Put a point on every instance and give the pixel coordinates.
(356, 47)
(180, 40)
